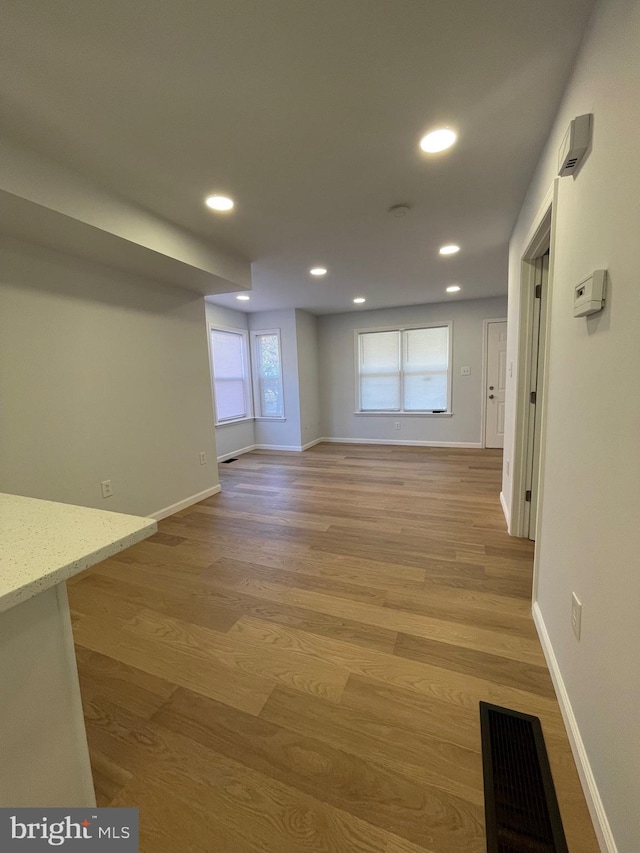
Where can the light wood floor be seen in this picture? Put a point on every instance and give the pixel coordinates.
(296, 664)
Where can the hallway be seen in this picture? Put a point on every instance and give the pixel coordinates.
(296, 664)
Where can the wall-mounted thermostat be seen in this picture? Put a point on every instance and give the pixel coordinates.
(574, 145)
(588, 296)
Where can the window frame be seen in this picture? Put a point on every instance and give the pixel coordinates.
(247, 378)
(400, 328)
(255, 378)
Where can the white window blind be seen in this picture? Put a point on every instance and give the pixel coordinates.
(230, 375)
(380, 371)
(267, 384)
(426, 367)
(404, 370)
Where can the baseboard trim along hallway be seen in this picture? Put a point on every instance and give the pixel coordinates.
(505, 509)
(187, 502)
(592, 794)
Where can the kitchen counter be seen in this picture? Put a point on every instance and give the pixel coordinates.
(43, 744)
(43, 543)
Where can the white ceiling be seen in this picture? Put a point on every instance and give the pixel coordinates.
(308, 113)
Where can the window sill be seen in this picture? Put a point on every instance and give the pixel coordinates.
(234, 422)
(248, 420)
(404, 414)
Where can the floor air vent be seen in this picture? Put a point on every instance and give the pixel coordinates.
(521, 809)
(226, 461)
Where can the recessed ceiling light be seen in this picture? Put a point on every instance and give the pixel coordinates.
(318, 271)
(243, 297)
(438, 140)
(359, 300)
(449, 250)
(454, 288)
(219, 202)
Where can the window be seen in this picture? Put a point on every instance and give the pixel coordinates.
(267, 374)
(404, 369)
(233, 389)
(231, 378)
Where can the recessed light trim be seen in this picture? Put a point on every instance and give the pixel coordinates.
(243, 297)
(438, 140)
(318, 271)
(221, 203)
(399, 210)
(359, 300)
(450, 249)
(453, 288)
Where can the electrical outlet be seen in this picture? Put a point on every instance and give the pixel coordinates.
(396, 425)
(576, 615)
(107, 489)
(465, 371)
(203, 457)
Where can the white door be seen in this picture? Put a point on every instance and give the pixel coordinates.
(539, 315)
(495, 382)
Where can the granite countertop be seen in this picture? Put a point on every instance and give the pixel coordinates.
(43, 543)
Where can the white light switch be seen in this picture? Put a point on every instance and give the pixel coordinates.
(465, 371)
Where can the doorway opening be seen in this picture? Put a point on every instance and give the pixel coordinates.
(534, 318)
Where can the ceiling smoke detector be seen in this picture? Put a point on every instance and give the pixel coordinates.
(399, 210)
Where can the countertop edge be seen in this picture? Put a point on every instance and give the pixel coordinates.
(63, 573)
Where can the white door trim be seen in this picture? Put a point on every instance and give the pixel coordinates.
(535, 243)
(542, 232)
(485, 369)
(536, 383)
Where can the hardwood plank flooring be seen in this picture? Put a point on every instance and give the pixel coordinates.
(296, 663)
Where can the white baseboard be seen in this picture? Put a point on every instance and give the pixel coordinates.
(290, 447)
(505, 509)
(475, 444)
(592, 795)
(300, 448)
(311, 443)
(194, 499)
(235, 453)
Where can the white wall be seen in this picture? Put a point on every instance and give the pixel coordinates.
(282, 433)
(231, 438)
(589, 536)
(336, 346)
(308, 376)
(102, 376)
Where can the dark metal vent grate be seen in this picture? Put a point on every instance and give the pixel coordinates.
(227, 461)
(521, 809)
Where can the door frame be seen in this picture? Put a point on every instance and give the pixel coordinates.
(485, 376)
(542, 234)
(538, 344)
